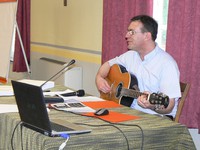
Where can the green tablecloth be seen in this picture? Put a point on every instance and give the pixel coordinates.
(158, 133)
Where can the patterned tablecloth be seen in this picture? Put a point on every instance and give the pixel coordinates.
(147, 132)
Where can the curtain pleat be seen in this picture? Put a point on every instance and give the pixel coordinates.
(116, 18)
(23, 22)
(183, 36)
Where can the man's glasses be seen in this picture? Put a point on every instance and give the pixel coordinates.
(133, 32)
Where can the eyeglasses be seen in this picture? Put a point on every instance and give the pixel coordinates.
(133, 32)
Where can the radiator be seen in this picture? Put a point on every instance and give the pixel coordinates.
(73, 78)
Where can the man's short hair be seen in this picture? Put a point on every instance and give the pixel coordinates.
(150, 25)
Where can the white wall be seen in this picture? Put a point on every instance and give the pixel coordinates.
(44, 71)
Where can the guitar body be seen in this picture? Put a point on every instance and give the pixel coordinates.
(124, 88)
(119, 78)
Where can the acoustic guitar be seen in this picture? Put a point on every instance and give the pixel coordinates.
(124, 88)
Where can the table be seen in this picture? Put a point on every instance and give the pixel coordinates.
(147, 132)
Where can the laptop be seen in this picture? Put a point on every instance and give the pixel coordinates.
(34, 115)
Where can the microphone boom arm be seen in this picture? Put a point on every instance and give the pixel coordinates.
(65, 68)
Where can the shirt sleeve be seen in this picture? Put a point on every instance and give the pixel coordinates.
(170, 80)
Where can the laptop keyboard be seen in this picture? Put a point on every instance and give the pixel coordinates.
(58, 127)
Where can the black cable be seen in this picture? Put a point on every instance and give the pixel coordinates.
(113, 124)
(107, 125)
(14, 133)
(142, 133)
(135, 126)
(21, 125)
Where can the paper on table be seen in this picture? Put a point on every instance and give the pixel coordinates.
(72, 105)
(81, 98)
(6, 90)
(48, 85)
(89, 99)
(5, 108)
(56, 92)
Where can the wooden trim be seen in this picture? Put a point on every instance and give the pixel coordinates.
(184, 92)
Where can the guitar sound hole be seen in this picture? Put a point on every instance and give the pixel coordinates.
(118, 90)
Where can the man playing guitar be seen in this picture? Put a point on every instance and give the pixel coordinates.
(155, 70)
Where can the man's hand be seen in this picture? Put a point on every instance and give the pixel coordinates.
(102, 85)
(144, 103)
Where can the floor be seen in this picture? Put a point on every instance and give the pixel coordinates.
(195, 137)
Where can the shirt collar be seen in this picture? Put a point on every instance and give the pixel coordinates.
(152, 53)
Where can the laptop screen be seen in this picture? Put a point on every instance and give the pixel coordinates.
(30, 102)
(34, 115)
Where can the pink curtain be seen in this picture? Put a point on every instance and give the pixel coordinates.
(116, 18)
(183, 36)
(23, 21)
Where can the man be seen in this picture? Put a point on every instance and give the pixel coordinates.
(155, 70)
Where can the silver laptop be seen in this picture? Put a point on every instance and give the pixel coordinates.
(34, 115)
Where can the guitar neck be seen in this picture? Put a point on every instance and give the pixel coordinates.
(132, 93)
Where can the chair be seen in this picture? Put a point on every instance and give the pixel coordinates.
(184, 91)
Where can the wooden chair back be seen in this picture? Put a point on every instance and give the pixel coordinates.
(184, 92)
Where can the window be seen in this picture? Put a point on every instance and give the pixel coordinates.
(160, 14)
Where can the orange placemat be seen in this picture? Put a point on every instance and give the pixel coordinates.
(101, 104)
(114, 117)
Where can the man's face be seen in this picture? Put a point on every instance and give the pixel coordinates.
(135, 37)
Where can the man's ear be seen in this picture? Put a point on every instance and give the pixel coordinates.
(148, 36)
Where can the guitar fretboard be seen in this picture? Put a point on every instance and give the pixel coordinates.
(131, 93)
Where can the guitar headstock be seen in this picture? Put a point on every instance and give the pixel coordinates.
(159, 99)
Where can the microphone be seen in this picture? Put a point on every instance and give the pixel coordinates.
(56, 99)
(77, 93)
(61, 71)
